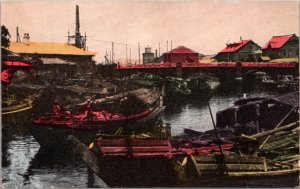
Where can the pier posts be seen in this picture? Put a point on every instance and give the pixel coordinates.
(238, 71)
(178, 70)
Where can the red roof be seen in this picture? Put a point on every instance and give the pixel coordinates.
(235, 47)
(277, 41)
(182, 50)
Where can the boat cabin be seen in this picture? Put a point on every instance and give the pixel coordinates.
(249, 116)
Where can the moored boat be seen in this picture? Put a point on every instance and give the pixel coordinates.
(16, 109)
(51, 129)
(128, 162)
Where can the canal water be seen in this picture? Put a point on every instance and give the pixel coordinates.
(25, 165)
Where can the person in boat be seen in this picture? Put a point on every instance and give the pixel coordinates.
(56, 109)
(88, 113)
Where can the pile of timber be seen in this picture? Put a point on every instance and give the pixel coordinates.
(148, 96)
(280, 144)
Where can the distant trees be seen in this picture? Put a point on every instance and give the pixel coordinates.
(5, 37)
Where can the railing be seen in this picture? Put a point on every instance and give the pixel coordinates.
(212, 65)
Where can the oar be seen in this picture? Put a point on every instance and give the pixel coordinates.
(215, 128)
(86, 155)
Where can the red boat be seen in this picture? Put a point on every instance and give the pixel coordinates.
(89, 120)
(52, 129)
(130, 161)
(147, 162)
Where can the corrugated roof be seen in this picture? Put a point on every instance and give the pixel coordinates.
(235, 47)
(56, 61)
(182, 49)
(277, 41)
(47, 48)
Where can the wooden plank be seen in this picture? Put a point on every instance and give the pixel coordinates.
(229, 159)
(133, 142)
(268, 173)
(134, 149)
(86, 155)
(267, 133)
(230, 167)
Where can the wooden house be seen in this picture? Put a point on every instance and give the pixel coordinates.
(244, 50)
(285, 46)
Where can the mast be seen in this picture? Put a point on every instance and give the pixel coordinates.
(126, 55)
(139, 52)
(130, 55)
(18, 35)
(112, 52)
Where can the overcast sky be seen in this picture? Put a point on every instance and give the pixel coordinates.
(204, 26)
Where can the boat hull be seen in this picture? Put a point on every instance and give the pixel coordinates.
(285, 179)
(48, 136)
(17, 117)
(153, 172)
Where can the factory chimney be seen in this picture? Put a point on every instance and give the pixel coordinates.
(78, 38)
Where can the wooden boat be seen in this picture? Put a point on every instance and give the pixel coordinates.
(239, 171)
(254, 114)
(52, 129)
(127, 161)
(136, 161)
(132, 162)
(15, 110)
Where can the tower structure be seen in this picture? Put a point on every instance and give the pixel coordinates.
(80, 41)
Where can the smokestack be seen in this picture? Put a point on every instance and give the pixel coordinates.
(77, 21)
(155, 53)
(241, 38)
(77, 31)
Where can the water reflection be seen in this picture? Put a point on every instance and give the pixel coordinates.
(195, 114)
(32, 167)
(28, 166)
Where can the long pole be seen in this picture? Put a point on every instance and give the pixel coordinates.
(112, 52)
(278, 125)
(167, 51)
(215, 128)
(139, 49)
(110, 56)
(158, 49)
(126, 55)
(130, 55)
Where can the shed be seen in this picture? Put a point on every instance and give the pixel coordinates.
(244, 50)
(181, 54)
(284, 46)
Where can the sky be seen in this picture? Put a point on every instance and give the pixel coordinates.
(204, 26)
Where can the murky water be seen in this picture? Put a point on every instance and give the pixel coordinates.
(25, 165)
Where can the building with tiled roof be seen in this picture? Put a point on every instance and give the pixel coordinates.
(244, 50)
(284, 46)
(46, 48)
(61, 59)
(181, 54)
